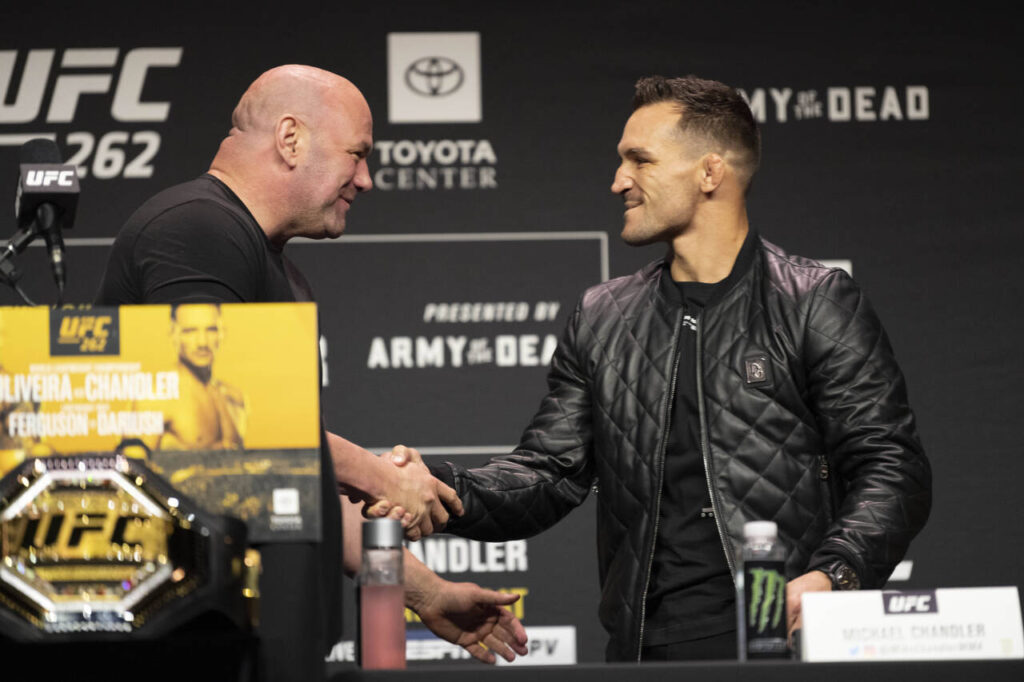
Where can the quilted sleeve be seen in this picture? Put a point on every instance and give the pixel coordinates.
(860, 398)
(548, 475)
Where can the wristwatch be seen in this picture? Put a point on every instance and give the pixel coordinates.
(842, 576)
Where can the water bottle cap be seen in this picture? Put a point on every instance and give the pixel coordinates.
(382, 533)
(760, 529)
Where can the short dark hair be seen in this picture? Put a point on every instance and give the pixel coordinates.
(175, 306)
(711, 110)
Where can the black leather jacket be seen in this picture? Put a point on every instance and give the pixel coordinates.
(804, 422)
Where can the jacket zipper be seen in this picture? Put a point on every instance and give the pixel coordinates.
(830, 497)
(669, 398)
(716, 505)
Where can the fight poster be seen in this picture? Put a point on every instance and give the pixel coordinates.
(221, 400)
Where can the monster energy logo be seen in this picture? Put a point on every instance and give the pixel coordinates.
(767, 598)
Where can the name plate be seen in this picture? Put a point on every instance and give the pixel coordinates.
(912, 625)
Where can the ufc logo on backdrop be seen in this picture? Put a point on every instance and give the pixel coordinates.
(72, 83)
(116, 77)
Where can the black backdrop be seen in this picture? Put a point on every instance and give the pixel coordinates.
(891, 142)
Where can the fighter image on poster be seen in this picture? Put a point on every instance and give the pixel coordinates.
(210, 414)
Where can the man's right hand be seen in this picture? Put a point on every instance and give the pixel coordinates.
(397, 485)
(412, 487)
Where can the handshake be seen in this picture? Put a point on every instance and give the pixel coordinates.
(399, 485)
(407, 491)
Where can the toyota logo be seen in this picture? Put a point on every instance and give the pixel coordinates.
(434, 76)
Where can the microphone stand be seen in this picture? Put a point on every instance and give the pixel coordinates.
(9, 274)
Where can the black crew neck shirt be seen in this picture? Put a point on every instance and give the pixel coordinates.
(197, 243)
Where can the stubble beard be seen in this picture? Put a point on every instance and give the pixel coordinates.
(639, 233)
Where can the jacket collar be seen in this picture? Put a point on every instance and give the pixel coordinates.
(667, 289)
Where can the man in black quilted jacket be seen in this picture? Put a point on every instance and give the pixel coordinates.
(729, 382)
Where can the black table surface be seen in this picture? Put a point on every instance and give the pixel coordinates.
(784, 671)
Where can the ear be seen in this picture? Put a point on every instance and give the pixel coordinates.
(712, 172)
(288, 138)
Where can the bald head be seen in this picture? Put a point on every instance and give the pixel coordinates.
(296, 153)
(291, 89)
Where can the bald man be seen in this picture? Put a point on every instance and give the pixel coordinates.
(291, 165)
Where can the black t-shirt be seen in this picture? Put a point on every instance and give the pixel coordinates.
(196, 243)
(691, 593)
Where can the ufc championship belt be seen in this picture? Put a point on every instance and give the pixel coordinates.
(98, 546)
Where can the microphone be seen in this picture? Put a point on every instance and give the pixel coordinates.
(45, 203)
(49, 225)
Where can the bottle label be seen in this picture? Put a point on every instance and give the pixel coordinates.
(764, 587)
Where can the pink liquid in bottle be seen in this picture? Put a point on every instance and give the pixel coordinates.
(382, 626)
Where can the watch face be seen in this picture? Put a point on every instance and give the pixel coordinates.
(846, 579)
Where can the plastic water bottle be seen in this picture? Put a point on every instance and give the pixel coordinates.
(761, 593)
(382, 597)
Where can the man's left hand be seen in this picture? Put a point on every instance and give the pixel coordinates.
(815, 581)
(474, 618)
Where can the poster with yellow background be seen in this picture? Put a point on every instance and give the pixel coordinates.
(222, 400)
